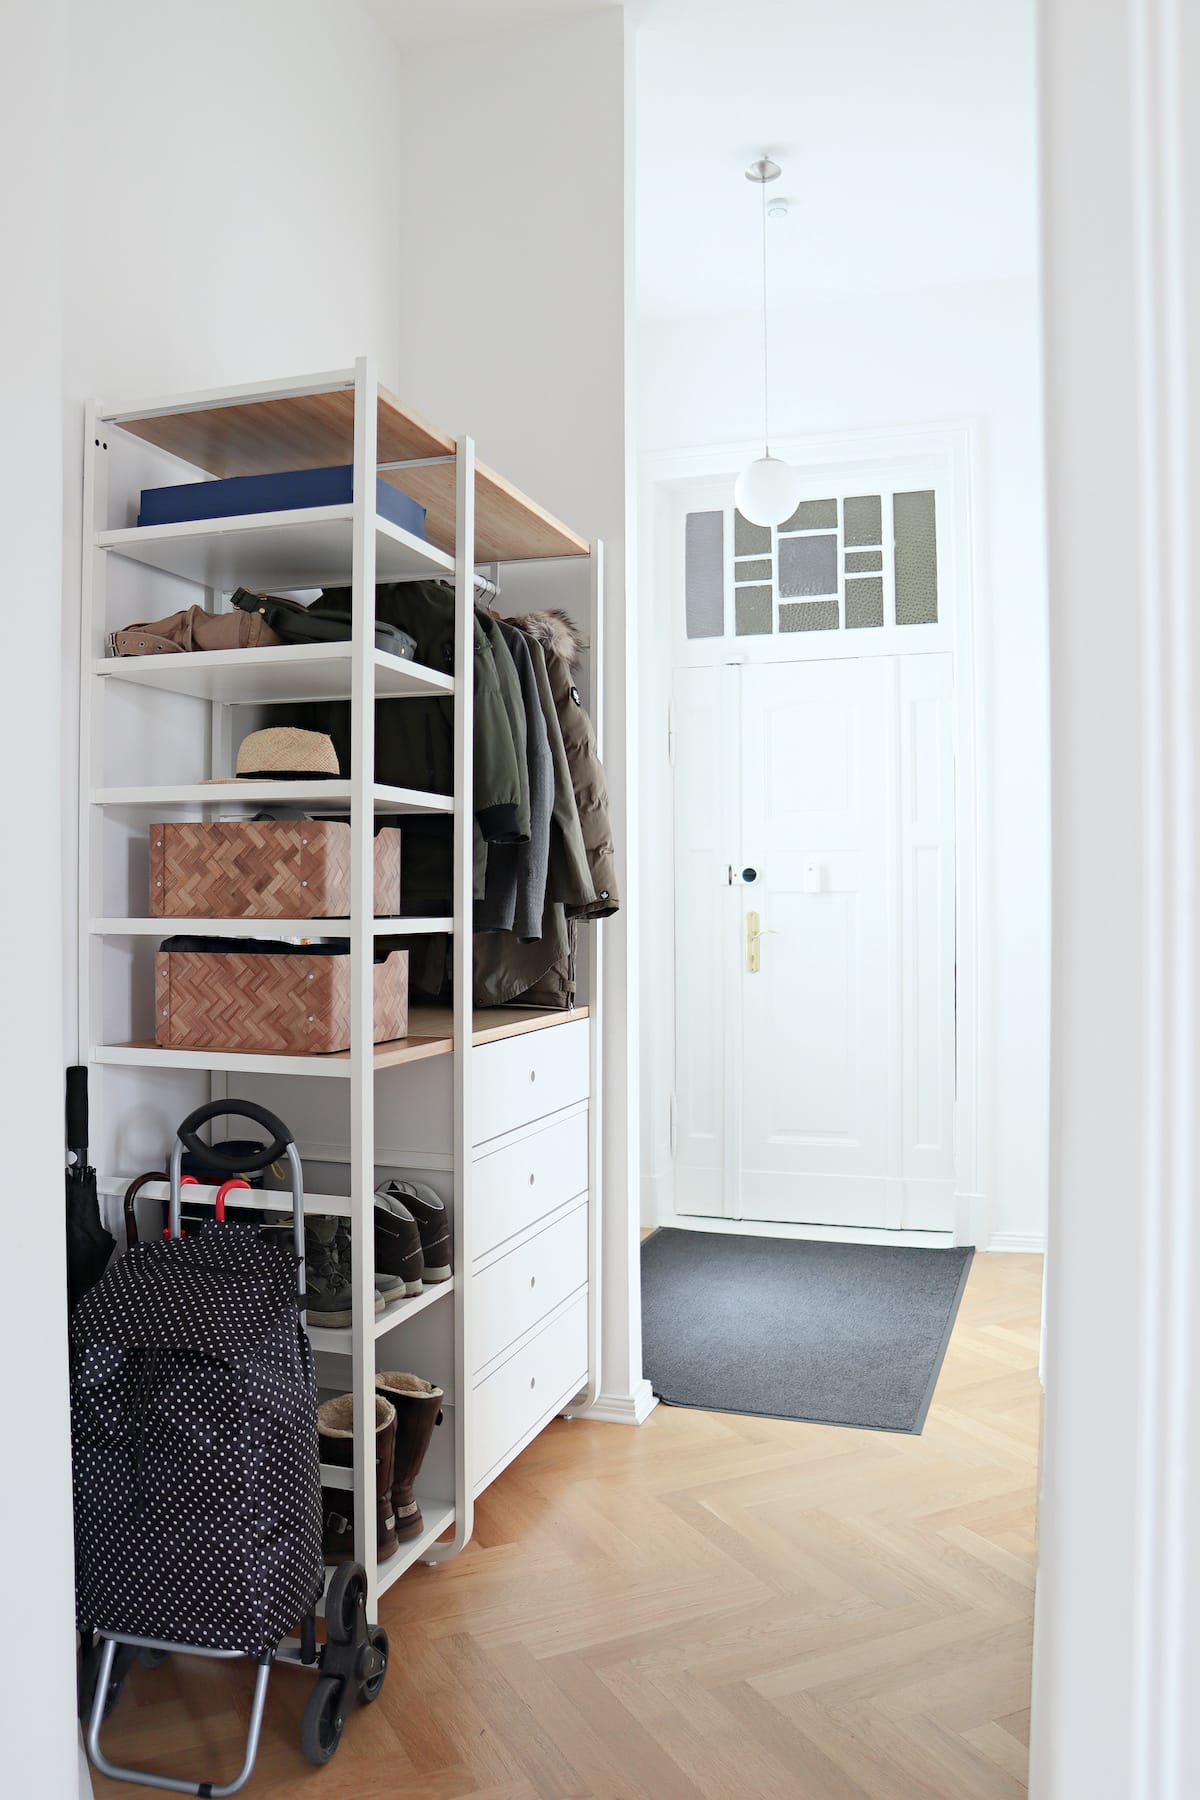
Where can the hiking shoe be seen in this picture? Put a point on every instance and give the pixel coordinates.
(433, 1222)
(329, 1295)
(399, 1264)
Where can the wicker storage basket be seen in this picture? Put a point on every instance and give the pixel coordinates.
(226, 994)
(263, 869)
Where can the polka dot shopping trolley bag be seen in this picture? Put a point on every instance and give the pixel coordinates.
(194, 1437)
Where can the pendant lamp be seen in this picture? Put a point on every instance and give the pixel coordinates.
(768, 489)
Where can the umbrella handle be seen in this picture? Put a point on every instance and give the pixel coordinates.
(131, 1193)
(225, 1187)
(77, 1111)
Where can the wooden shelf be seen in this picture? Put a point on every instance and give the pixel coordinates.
(288, 672)
(430, 1034)
(326, 796)
(261, 928)
(314, 431)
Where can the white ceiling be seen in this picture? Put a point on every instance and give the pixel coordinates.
(906, 130)
(426, 21)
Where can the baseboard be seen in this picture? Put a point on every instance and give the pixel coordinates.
(1030, 1242)
(658, 1196)
(621, 1409)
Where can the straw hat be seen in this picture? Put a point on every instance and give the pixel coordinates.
(286, 753)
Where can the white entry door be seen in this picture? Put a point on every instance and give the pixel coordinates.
(815, 941)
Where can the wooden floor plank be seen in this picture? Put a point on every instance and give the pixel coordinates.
(709, 1608)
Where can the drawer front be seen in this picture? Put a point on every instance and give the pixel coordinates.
(524, 1078)
(515, 1187)
(550, 1368)
(514, 1292)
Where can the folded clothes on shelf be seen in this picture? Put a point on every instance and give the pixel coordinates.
(289, 491)
(194, 629)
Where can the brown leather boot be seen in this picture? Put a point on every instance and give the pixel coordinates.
(417, 1405)
(335, 1427)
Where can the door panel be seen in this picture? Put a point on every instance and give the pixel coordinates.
(817, 760)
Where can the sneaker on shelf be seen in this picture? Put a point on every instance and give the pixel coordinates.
(329, 1289)
(399, 1263)
(433, 1222)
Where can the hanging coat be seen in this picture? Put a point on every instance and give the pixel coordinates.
(515, 891)
(195, 1460)
(554, 631)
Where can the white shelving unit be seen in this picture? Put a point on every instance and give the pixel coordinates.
(472, 516)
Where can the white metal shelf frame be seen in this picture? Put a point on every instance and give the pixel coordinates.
(370, 674)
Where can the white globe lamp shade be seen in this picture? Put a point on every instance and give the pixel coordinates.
(767, 491)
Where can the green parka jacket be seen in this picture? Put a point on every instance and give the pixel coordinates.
(414, 739)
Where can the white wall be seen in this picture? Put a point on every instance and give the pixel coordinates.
(37, 1675)
(969, 353)
(514, 330)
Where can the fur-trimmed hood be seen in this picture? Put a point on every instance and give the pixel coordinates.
(555, 632)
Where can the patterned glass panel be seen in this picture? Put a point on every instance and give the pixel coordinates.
(858, 561)
(748, 539)
(807, 565)
(704, 574)
(810, 515)
(752, 610)
(863, 516)
(753, 568)
(916, 559)
(809, 615)
(864, 601)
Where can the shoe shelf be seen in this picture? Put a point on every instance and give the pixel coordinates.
(308, 547)
(284, 673)
(221, 795)
(338, 1340)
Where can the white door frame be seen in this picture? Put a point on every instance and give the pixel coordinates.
(950, 452)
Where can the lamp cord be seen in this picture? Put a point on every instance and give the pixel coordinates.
(766, 384)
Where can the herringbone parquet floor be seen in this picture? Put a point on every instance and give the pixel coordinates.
(714, 1606)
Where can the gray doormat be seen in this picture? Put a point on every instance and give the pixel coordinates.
(837, 1334)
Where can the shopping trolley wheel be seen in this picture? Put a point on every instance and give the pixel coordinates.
(373, 1664)
(345, 1604)
(324, 1717)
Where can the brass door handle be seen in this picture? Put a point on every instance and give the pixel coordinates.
(754, 932)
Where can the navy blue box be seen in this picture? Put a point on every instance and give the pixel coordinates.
(274, 493)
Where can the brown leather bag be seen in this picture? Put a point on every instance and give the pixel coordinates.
(195, 629)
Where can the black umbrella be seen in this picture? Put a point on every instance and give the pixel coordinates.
(89, 1246)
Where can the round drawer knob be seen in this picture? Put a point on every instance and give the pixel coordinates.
(533, 1381)
(532, 1179)
(533, 1074)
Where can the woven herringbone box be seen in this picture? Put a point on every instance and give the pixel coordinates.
(290, 999)
(263, 869)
